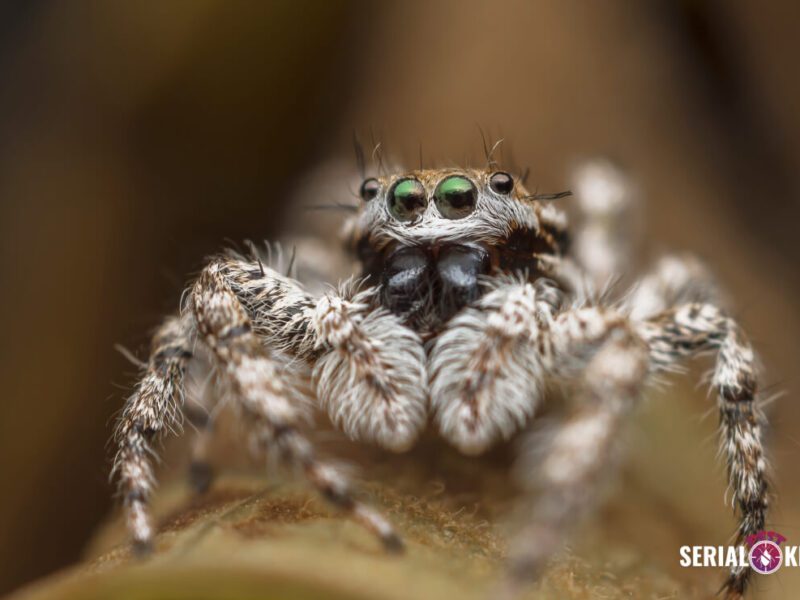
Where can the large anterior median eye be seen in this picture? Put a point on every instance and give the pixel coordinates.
(456, 197)
(406, 200)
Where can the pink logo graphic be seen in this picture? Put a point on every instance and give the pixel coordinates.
(765, 553)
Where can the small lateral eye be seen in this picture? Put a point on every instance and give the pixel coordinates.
(501, 183)
(456, 197)
(407, 200)
(369, 189)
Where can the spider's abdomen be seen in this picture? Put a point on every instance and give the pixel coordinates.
(427, 286)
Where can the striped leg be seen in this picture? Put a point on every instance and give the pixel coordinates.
(691, 329)
(152, 409)
(674, 280)
(602, 243)
(201, 474)
(260, 384)
(609, 362)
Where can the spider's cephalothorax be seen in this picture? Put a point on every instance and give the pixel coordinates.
(470, 308)
(430, 238)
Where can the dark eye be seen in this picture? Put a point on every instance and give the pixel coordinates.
(407, 200)
(501, 183)
(369, 189)
(455, 197)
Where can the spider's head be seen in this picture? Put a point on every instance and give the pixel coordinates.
(428, 236)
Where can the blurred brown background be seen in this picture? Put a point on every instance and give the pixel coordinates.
(136, 137)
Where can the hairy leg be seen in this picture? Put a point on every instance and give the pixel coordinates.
(279, 309)
(597, 350)
(486, 366)
(201, 474)
(200, 409)
(261, 384)
(156, 404)
(369, 371)
(673, 280)
(372, 378)
(602, 243)
(153, 408)
(685, 331)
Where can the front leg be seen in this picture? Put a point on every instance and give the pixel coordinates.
(598, 350)
(487, 366)
(260, 380)
(371, 378)
(368, 368)
(488, 369)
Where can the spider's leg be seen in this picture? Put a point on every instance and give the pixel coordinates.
(152, 409)
(261, 383)
(674, 279)
(201, 474)
(371, 378)
(598, 350)
(201, 407)
(602, 243)
(486, 369)
(691, 329)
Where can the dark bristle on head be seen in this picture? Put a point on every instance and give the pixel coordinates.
(360, 162)
(485, 145)
(377, 153)
(488, 152)
(335, 207)
(554, 196)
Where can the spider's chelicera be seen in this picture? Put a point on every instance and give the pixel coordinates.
(469, 305)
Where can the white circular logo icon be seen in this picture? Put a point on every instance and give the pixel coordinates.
(765, 557)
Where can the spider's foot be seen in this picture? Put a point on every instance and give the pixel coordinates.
(142, 548)
(374, 522)
(523, 570)
(509, 588)
(200, 476)
(734, 586)
(393, 543)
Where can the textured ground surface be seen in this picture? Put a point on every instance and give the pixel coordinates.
(242, 540)
(249, 538)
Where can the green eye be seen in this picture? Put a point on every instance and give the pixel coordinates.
(456, 197)
(407, 200)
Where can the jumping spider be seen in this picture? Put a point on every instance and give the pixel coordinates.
(471, 303)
